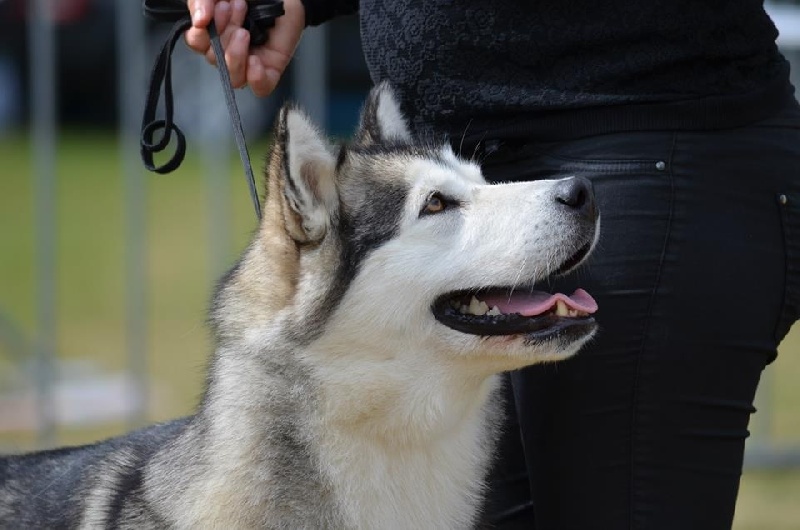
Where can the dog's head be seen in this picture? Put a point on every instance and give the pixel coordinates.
(400, 248)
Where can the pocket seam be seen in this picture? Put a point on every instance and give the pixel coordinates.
(785, 319)
(546, 154)
(648, 167)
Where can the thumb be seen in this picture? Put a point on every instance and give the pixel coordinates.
(267, 63)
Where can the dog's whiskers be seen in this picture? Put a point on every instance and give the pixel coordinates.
(475, 157)
(515, 283)
(463, 136)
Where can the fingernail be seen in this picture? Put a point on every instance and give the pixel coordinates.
(198, 14)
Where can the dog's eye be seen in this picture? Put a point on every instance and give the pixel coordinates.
(436, 203)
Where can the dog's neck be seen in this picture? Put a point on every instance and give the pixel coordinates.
(408, 448)
(380, 443)
(397, 402)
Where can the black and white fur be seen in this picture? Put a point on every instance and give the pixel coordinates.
(334, 398)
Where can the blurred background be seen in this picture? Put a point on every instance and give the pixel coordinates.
(106, 271)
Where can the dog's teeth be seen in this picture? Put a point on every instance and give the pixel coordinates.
(474, 306)
(561, 309)
(477, 307)
(573, 312)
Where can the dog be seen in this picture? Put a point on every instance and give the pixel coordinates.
(357, 345)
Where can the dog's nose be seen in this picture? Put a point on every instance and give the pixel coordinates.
(577, 194)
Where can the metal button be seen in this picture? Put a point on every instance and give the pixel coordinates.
(661, 165)
(783, 199)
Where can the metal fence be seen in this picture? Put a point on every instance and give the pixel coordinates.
(309, 88)
(135, 51)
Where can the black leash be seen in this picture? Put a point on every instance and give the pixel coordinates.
(261, 15)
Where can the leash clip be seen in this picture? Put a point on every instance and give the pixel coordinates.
(261, 15)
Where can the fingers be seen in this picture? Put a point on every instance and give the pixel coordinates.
(239, 8)
(224, 23)
(201, 11)
(235, 41)
(223, 16)
(198, 39)
(260, 68)
(236, 57)
(285, 36)
(274, 63)
(257, 78)
(275, 56)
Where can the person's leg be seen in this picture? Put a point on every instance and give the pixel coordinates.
(714, 323)
(576, 415)
(645, 427)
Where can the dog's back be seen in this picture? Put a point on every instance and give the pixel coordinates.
(54, 489)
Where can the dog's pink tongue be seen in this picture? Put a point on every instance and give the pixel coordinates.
(534, 303)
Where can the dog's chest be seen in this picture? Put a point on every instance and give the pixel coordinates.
(391, 488)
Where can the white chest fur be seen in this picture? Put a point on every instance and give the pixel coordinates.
(408, 481)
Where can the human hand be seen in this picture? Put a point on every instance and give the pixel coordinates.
(259, 68)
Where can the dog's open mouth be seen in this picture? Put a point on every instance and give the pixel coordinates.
(501, 311)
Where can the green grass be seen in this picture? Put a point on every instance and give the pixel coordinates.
(91, 289)
(91, 253)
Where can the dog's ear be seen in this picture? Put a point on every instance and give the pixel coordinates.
(382, 121)
(305, 164)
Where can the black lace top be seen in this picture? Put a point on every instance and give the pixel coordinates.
(560, 69)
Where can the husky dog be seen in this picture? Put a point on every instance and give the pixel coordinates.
(358, 342)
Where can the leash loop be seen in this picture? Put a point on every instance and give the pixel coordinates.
(261, 16)
(162, 75)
